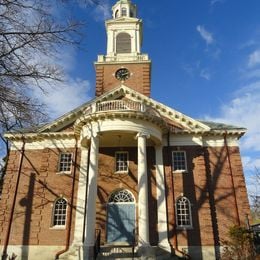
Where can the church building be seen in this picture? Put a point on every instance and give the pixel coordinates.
(123, 175)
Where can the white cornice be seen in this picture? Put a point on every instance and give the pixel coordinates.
(188, 124)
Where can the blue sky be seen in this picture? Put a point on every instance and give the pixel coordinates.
(205, 61)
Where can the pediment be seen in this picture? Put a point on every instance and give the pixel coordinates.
(174, 120)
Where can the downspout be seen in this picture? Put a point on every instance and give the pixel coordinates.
(4, 254)
(68, 233)
(175, 241)
(232, 177)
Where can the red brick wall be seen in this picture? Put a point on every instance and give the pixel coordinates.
(39, 186)
(208, 186)
(109, 181)
(140, 79)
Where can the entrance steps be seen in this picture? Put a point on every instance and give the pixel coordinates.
(125, 253)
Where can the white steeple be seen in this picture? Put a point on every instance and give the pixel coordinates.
(124, 8)
(124, 34)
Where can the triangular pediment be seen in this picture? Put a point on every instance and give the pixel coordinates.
(175, 121)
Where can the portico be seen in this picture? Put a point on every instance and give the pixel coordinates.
(133, 130)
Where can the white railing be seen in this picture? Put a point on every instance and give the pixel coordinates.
(120, 105)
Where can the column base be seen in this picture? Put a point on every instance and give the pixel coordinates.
(165, 245)
(88, 252)
(146, 252)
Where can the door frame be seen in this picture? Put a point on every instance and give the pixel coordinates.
(135, 212)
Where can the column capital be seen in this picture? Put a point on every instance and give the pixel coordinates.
(143, 134)
(92, 135)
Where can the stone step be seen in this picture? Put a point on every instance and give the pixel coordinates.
(122, 252)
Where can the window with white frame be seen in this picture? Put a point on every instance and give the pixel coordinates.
(183, 213)
(59, 213)
(179, 163)
(65, 162)
(121, 159)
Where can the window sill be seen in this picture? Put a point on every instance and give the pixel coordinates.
(180, 171)
(184, 228)
(58, 227)
(121, 172)
(63, 173)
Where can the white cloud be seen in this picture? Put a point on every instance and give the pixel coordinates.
(207, 36)
(254, 59)
(64, 96)
(205, 74)
(244, 110)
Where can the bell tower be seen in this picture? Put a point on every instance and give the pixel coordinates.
(124, 62)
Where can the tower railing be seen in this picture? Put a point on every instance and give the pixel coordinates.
(120, 105)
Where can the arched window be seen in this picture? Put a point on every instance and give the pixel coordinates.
(123, 11)
(116, 13)
(123, 43)
(183, 213)
(120, 196)
(59, 212)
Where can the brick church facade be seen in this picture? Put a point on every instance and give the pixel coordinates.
(123, 168)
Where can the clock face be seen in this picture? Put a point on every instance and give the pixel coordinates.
(122, 74)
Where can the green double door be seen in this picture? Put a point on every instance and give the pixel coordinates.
(120, 222)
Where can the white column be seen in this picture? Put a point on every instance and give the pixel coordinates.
(143, 209)
(161, 201)
(81, 197)
(91, 196)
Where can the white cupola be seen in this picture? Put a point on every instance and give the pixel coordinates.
(124, 8)
(124, 34)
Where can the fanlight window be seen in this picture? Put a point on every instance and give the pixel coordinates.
(183, 213)
(121, 196)
(123, 43)
(59, 214)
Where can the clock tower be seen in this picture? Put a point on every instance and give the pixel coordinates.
(123, 63)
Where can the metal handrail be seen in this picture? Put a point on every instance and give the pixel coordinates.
(97, 243)
(133, 244)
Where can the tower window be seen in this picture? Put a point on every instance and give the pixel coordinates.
(59, 213)
(121, 159)
(116, 14)
(65, 162)
(183, 213)
(179, 163)
(123, 43)
(123, 11)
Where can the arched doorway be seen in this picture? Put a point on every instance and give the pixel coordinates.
(120, 217)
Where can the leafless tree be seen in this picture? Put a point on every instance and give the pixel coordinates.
(30, 36)
(255, 194)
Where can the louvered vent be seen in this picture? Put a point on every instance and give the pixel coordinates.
(123, 43)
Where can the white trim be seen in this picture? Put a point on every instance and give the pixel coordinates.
(126, 125)
(185, 162)
(53, 226)
(183, 227)
(45, 143)
(81, 198)
(161, 201)
(59, 163)
(199, 140)
(127, 159)
(118, 190)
